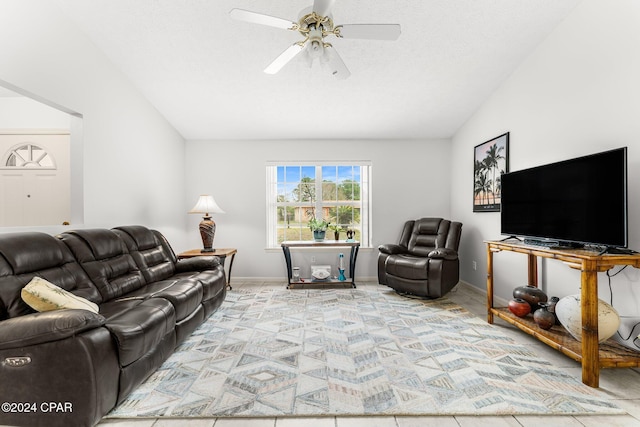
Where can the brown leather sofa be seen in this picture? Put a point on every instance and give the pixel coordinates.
(70, 367)
(425, 260)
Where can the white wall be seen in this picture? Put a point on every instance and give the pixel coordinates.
(410, 180)
(19, 112)
(577, 94)
(133, 159)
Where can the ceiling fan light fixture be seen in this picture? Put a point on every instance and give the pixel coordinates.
(315, 49)
(315, 44)
(314, 24)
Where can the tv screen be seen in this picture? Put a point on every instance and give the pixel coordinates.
(569, 203)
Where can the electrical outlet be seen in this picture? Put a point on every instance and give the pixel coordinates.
(475, 265)
(313, 259)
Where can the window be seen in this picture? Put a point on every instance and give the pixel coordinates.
(337, 192)
(28, 156)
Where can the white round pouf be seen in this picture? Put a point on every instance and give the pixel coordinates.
(569, 314)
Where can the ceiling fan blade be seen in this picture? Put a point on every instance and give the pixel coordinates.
(323, 7)
(262, 19)
(284, 58)
(370, 31)
(335, 63)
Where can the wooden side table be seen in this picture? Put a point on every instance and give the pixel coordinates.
(223, 253)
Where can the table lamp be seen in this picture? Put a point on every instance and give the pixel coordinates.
(206, 205)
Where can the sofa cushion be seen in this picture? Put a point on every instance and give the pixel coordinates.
(144, 237)
(407, 266)
(141, 327)
(104, 256)
(427, 235)
(117, 306)
(24, 256)
(44, 296)
(213, 281)
(185, 295)
(155, 260)
(39, 328)
(100, 244)
(28, 252)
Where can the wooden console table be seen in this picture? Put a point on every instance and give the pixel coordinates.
(589, 352)
(286, 249)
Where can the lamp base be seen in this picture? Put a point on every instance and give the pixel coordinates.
(207, 250)
(207, 232)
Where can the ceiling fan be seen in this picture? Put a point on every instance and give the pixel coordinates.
(316, 23)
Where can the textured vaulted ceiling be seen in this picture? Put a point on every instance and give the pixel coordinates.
(203, 71)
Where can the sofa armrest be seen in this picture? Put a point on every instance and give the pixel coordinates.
(443, 253)
(48, 326)
(198, 263)
(391, 249)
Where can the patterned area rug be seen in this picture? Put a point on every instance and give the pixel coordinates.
(353, 352)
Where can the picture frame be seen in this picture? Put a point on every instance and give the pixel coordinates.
(490, 161)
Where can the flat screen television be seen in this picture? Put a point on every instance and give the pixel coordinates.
(572, 203)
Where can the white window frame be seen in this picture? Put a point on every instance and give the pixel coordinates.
(365, 196)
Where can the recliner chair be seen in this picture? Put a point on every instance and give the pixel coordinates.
(425, 260)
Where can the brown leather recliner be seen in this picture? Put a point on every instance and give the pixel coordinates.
(425, 260)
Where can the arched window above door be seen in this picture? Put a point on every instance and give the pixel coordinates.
(28, 156)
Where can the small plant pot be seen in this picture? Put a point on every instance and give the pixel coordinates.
(318, 235)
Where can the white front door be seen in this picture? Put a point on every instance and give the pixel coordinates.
(34, 179)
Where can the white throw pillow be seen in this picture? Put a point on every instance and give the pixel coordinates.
(44, 296)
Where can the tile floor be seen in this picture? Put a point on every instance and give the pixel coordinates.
(621, 385)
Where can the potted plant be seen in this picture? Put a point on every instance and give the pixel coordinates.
(336, 231)
(319, 228)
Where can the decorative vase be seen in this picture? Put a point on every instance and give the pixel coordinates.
(318, 235)
(519, 307)
(543, 317)
(551, 307)
(336, 235)
(531, 294)
(569, 312)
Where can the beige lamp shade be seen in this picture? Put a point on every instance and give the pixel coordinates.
(207, 205)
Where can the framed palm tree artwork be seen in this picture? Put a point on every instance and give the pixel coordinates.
(490, 161)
